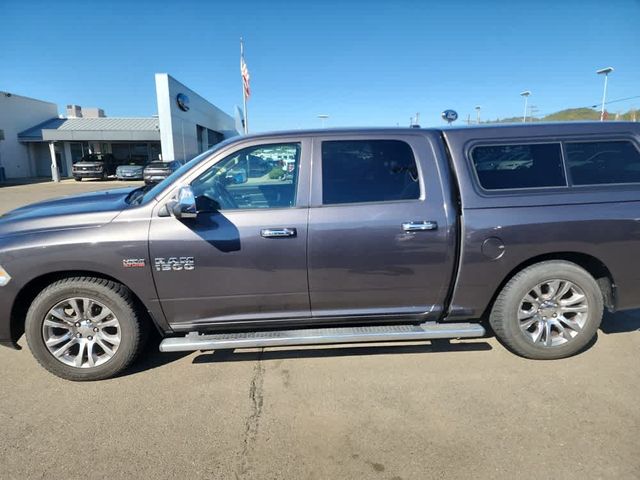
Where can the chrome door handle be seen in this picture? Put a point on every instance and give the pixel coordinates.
(278, 232)
(419, 226)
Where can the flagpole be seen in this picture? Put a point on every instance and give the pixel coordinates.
(244, 92)
(246, 119)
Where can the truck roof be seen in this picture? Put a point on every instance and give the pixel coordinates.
(509, 128)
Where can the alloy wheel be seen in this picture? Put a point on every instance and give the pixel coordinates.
(553, 313)
(81, 332)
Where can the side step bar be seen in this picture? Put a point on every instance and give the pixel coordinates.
(318, 336)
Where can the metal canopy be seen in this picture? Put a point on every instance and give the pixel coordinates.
(101, 129)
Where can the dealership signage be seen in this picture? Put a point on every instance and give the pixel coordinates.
(183, 102)
(450, 116)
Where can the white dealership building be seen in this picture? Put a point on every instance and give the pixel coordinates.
(34, 137)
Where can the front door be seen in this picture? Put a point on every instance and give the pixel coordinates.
(380, 240)
(243, 258)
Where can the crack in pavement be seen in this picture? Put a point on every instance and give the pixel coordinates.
(256, 395)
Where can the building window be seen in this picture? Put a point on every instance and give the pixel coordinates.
(200, 133)
(139, 153)
(597, 163)
(154, 151)
(76, 151)
(213, 138)
(120, 152)
(501, 167)
(357, 171)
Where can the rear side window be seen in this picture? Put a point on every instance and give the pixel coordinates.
(597, 163)
(358, 171)
(535, 165)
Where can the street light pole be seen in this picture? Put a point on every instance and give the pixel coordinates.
(323, 118)
(525, 94)
(605, 72)
(478, 114)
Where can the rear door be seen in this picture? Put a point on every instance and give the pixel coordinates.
(244, 257)
(380, 240)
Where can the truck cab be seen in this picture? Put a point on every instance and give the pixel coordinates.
(345, 236)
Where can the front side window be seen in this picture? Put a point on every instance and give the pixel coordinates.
(263, 176)
(597, 163)
(501, 167)
(356, 171)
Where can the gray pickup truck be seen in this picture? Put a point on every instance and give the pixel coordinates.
(336, 236)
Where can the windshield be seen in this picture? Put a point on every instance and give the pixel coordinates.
(93, 158)
(153, 192)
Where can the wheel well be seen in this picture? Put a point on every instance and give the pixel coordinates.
(31, 290)
(591, 264)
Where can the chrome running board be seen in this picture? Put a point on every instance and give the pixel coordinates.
(319, 336)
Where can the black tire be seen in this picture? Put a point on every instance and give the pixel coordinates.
(77, 179)
(116, 297)
(504, 314)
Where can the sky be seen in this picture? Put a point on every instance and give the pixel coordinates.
(363, 63)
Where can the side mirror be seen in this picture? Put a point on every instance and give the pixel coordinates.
(185, 205)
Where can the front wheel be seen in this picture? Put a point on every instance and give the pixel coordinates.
(84, 328)
(547, 311)
(77, 179)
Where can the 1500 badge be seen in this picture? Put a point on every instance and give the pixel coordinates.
(174, 264)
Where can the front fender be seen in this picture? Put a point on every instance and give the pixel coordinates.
(34, 260)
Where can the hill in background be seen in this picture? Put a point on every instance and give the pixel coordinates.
(574, 114)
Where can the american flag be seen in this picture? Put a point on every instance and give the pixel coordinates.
(244, 71)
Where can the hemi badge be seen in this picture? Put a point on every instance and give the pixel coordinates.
(133, 262)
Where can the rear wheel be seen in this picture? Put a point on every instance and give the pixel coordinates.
(84, 328)
(548, 310)
(77, 179)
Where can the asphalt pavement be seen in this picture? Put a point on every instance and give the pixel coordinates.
(411, 411)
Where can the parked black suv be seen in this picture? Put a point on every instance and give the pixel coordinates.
(95, 165)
